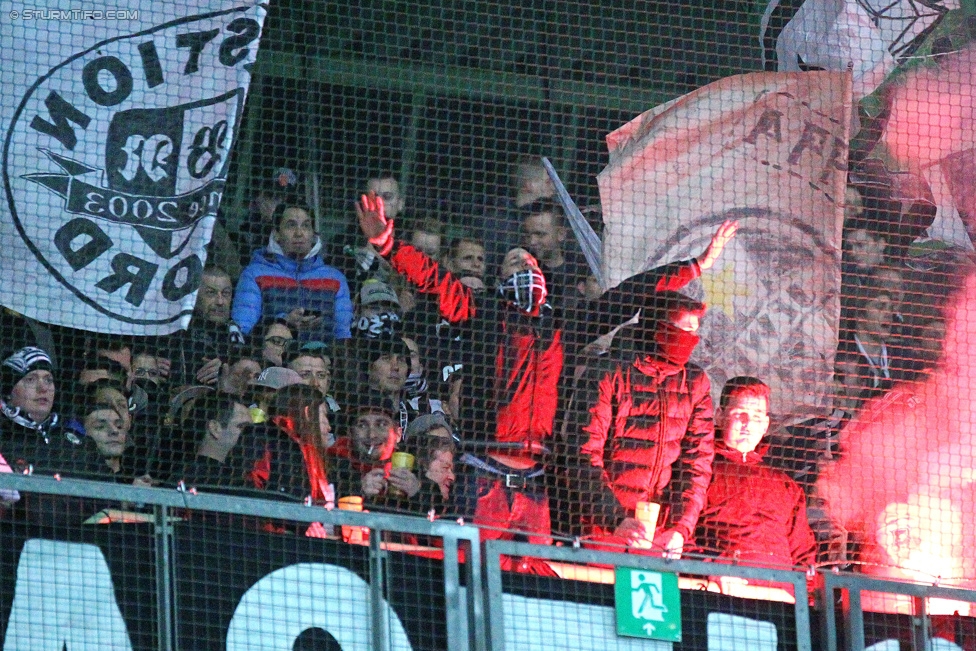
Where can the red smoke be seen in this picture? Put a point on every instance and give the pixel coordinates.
(905, 483)
(933, 111)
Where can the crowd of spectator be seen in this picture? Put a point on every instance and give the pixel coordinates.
(528, 402)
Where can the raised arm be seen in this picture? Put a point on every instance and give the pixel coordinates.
(622, 302)
(456, 301)
(722, 236)
(374, 224)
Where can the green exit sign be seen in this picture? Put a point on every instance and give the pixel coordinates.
(648, 604)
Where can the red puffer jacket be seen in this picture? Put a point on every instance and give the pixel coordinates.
(651, 437)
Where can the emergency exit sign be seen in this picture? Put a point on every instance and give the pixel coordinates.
(648, 604)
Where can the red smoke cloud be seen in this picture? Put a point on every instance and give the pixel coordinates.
(905, 482)
(933, 111)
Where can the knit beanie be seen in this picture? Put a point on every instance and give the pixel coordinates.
(19, 364)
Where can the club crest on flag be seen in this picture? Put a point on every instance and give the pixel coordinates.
(115, 163)
(164, 169)
(768, 150)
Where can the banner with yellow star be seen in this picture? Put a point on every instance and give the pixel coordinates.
(767, 149)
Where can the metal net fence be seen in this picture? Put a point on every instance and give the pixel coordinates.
(87, 567)
(654, 277)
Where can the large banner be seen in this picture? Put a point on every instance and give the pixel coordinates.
(767, 149)
(912, 65)
(118, 131)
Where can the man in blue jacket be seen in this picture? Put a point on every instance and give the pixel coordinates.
(288, 279)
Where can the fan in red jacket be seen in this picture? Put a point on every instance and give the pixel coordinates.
(512, 356)
(649, 433)
(753, 513)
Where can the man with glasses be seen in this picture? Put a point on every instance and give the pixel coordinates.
(272, 340)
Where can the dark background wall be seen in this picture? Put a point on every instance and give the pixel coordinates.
(449, 94)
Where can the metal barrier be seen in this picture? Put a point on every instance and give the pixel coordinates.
(502, 631)
(183, 564)
(851, 587)
(164, 510)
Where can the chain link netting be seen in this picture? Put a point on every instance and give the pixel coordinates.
(648, 277)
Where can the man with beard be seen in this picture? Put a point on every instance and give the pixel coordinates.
(512, 361)
(199, 353)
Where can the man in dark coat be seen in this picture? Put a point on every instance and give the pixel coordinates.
(222, 420)
(360, 464)
(198, 354)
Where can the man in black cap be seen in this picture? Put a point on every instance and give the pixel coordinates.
(379, 369)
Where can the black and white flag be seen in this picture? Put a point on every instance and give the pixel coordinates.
(871, 37)
(119, 126)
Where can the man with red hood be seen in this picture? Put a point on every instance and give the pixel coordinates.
(648, 433)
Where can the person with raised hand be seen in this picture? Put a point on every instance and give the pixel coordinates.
(512, 357)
